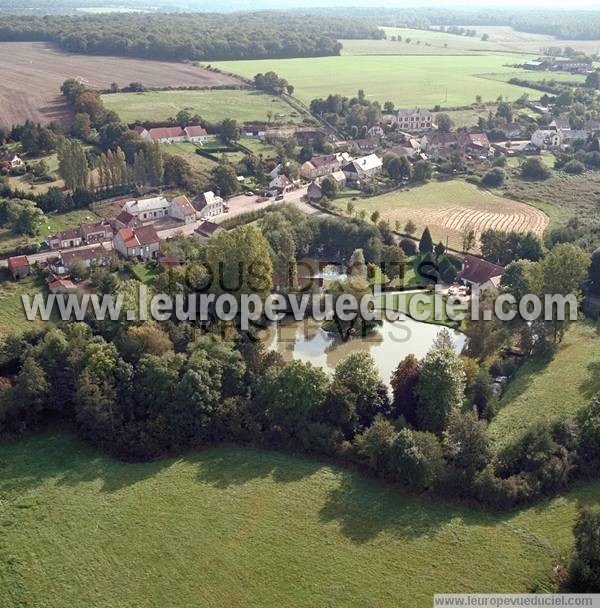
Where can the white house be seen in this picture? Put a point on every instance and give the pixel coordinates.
(546, 139)
(476, 272)
(363, 168)
(281, 184)
(208, 204)
(181, 209)
(10, 160)
(148, 209)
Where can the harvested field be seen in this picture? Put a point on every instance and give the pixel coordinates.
(32, 73)
(452, 208)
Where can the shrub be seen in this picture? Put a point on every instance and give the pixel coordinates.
(494, 178)
(534, 168)
(409, 247)
(574, 167)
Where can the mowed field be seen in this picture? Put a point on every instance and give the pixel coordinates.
(424, 81)
(214, 106)
(31, 74)
(450, 208)
(250, 529)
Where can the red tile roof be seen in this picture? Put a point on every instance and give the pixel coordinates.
(18, 262)
(184, 204)
(166, 132)
(125, 217)
(195, 131)
(207, 228)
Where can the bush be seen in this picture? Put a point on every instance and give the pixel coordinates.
(585, 567)
(574, 167)
(409, 247)
(494, 178)
(534, 168)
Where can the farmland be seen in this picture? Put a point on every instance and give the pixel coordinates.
(213, 106)
(551, 390)
(33, 72)
(233, 527)
(450, 208)
(415, 80)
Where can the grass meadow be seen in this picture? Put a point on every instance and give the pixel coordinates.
(551, 389)
(425, 81)
(252, 529)
(12, 315)
(212, 105)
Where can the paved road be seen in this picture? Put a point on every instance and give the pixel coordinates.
(237, 206)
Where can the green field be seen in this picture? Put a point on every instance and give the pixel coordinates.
(12, 315)
(247, 528)
(551, 390)
(407, 81)
(213, 106)
(449, 208)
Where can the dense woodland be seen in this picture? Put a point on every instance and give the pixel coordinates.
(198, 37)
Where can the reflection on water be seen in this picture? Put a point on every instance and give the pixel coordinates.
(388, 344)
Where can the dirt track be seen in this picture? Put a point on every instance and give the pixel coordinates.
(31, 75)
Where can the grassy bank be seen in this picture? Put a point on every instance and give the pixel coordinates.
(246, 528)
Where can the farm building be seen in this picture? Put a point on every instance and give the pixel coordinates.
(19, 266)
(96, 255)
(319, 166)
(206, 230)
(172, 135)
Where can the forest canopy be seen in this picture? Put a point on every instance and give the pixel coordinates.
(192, 36)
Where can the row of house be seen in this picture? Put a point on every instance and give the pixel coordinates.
(171, 135)
(440, 146)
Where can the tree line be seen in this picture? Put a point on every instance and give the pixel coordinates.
(191, 36)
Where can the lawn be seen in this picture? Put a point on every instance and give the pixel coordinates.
(12, 315)
(22, 182)
(247, 528)
(449, 208)
(213, 106)
(551, 390)
(51, 224)
(187, 150)
(407, 81)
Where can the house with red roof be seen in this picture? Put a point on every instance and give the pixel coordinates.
(19, 266)
(142, 242)
(181, 209)
(206, 230)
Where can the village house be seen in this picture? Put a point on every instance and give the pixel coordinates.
(172, 135)
(19, 267)
(439, 145)
(319, 166)
(96, 232)
(314, 192)
(281, 184)
(376, 131)
(415, 119)
(10, 160)
(206, 229)
(126, 220)
(208, 204)
(66, 239)
(181, 209)
(96, 255)
(474, 143)
(479, 273)
(545, 139)
(148, 209)
(141, 242)
(363, 168)
(365, 146)
(411, 149)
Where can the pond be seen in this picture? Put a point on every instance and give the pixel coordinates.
(388, 344)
